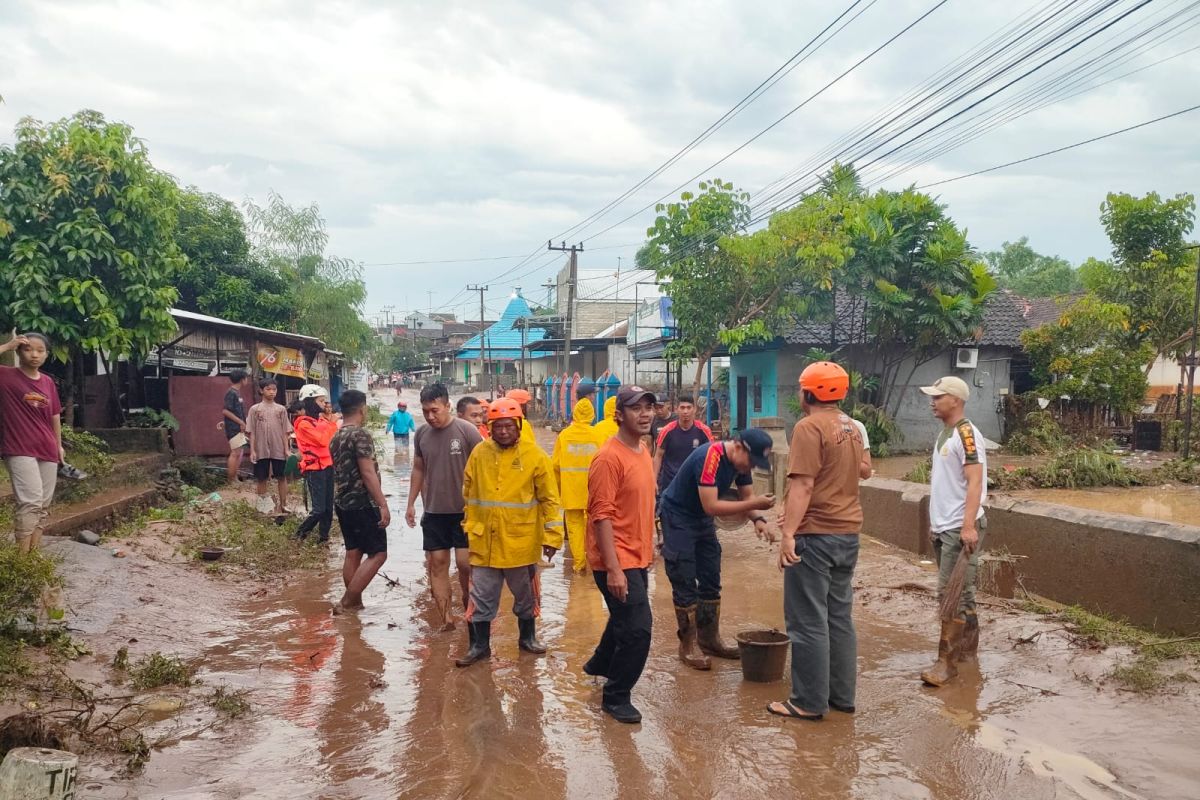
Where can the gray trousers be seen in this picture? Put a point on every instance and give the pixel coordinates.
(946, 547)
(486, 583)
(33, 485)
(818, 598)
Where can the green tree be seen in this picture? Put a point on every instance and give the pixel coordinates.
(1086, 357)
(914, 284)
(329, 292)
(1151, 272)
(730, 289)
(221, 278)
(87, 253)
(1019, 267)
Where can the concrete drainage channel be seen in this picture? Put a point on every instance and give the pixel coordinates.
(1141, 570)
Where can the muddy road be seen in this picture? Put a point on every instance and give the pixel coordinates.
(372, 706)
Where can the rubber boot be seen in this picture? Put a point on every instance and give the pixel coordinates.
(528, 636)
(708, 631)
(479, 636)
(689, 648)
(943, 670)
(968, 652)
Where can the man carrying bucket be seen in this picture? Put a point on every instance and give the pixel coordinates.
(821, 520)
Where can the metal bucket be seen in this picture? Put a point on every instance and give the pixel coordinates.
(763, 655)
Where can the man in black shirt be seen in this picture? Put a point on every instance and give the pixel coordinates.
(233, 418)
(677, 439)
(662, 418)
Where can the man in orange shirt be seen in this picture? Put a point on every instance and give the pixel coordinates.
(620, 547)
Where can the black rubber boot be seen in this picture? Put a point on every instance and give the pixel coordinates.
(623, 712)
(479, 635)
(529, 641)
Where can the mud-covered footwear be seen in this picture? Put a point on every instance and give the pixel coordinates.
(689, 648)
(623, 712)
(708, 631)
(969, 651)
(479, 636)
(943, 670)
(528, 636)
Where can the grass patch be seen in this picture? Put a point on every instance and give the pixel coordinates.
(196, 472)
(254, 543)
(157, 670)
(1080, 468)
(1146, 671)
(230, 703)
(920, 473)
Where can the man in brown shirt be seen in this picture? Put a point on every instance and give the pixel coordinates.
(821, 521)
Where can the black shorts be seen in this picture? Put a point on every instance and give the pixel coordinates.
(361, 531)
(266, 468)
(443, 531)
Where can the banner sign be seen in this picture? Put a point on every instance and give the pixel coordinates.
(281, 360)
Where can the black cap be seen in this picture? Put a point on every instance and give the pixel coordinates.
(628, 395)
(661, 399)
(759, 443)
(584, 390)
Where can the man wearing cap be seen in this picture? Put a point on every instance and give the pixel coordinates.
(957, 490)
(662, 418)
(620, 549)
(690, 547)
(821, 520)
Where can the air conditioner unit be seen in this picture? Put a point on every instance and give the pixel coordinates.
(966, 357)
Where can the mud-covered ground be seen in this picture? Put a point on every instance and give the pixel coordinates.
(372, 705)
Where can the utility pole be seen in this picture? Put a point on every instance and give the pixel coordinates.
(574, 250)
(482, 337)
(1191, 363)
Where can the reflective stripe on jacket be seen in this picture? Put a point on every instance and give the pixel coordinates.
(512, 507)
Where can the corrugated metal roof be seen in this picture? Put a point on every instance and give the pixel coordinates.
(503, 339)
(204, 319)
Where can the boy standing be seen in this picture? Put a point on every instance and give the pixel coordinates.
(233, 417)
(30, 435)
(269, 427)
(620, 547)
(362, 510)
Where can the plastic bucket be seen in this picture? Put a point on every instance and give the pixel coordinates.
(763, 655)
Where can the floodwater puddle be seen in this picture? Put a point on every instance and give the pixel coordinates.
(1166, 503)
(373, 706)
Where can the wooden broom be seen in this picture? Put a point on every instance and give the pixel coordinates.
(954, 587)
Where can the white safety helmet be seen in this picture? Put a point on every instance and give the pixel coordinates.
(312, 390)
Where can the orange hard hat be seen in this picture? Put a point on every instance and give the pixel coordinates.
(504, 408)
(520, 395)
(826, 380)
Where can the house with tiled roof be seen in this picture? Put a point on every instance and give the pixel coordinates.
(762, 379)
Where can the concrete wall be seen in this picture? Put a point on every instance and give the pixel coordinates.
(1142, 570)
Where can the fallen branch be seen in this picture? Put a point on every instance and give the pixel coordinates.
(391, 582)
(1041, 689)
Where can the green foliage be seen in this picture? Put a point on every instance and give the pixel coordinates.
(152, 418)
(87, 254)
(87, 451)
(882, 430)
(230, 703)
(327, 292)
(23, 579)
(375, 417)
(1038, 434)
(1151, 272)
(262, 547)
(1088, 356)
(195, 472)
(921, 472)
(1177, 470)
(399, 356)
(157, 670)
(1073, 468)
(1018, 267)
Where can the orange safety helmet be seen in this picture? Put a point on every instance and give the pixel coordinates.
(504, 408)
(520, 395)
(826, 380)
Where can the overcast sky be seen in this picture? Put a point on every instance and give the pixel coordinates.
(462, 130)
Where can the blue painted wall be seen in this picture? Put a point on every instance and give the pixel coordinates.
(756, 367)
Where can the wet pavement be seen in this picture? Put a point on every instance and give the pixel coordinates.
(373, 706)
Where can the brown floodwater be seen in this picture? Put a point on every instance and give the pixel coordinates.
(372, 706)
(1167, 503)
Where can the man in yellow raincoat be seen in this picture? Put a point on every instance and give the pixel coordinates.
(523, 399)
(512, 519)
(573, 452)
(607, 427)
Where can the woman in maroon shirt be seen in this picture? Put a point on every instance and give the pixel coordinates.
(30, 435)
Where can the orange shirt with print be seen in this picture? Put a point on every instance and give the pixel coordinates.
(621, 490)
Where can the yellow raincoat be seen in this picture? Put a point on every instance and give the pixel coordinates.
(527, 432)
(607, 427)
(511, 505)
(574, 450)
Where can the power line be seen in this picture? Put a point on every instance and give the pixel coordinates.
(1061, 149)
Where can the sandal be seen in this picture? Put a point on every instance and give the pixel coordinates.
(792, 712)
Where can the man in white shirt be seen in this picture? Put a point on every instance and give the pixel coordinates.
(958, 488)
